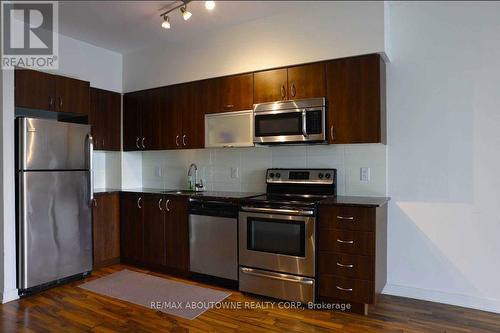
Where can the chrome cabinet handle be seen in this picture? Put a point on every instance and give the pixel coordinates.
(344, 289)
(345, 266)
(283, 92)
(137, 143)
(51, 100)
(350, 218)
(143, 145)
(184, 139)
(95, 202)
(304, 124)
(177, 140)
(293, 90)
(60, 103)
(139, 200)
(166, 205)
(344, 241)
(159, 203)
(229, 106)
(102, 143)
(331, 133)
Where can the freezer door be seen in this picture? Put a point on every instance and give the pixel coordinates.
(55, 229)
(52, 145)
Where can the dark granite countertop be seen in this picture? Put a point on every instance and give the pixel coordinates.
(204, 194)
(355, 201)
(106, 190)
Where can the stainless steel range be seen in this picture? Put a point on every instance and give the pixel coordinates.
(277, 234)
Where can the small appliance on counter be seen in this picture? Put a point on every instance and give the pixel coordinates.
(277, 234)
(54, 190)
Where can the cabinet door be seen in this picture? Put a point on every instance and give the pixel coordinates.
(113, 121)
(154, 229)
(106, 229)
(131, 212)
(34, 90)
(150, 105)
(73, 95)
(176, 234)
(356, 101)
(193, 120)
(171, 118)
(236, 93)
(96, 118)
(306, 81)
(270, 86)
(131, 122)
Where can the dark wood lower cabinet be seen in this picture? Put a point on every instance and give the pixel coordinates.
(155, 231)
(106, 229)
(352, 254)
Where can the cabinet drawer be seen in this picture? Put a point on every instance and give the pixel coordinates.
(346, 241)
(348, 289)
(346, 265)
(347, 217)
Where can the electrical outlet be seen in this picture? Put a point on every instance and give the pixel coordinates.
(158, 171)
(235, 173)
(364, 174)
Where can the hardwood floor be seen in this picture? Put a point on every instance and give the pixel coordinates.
(71, 309)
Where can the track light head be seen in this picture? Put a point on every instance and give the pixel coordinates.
(209, 5)
(185, 13)
(166, 22)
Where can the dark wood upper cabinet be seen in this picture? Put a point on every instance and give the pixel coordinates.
(235, 93)
(307, 81)
(132, 119)
(177, 234)
(151, 106)
(193, 115)
(34, 90)
(73, 95)
(43, 91)
(132, 232)
(105, 119)
(106, 229)
(356, 99)
(270, 86)
(171, 119)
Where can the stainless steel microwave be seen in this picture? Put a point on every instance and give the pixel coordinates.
(295, 121)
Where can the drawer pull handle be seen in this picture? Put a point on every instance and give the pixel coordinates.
(344, 289)
(345, 266)
(350, 218)
(345, 242)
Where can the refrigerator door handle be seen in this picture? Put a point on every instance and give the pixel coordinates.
(90, 141)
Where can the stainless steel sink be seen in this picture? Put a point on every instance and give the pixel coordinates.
(181, 192)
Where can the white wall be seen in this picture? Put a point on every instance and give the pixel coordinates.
(325, 30)
(168, 169)
(444, 139)
(103, 69)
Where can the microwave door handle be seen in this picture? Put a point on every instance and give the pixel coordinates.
(304, 127)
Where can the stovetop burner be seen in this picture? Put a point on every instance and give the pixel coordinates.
(288, 199)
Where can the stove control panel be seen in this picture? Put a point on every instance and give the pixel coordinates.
(301, 176)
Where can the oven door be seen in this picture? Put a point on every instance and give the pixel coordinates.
(291, 125)
(277, 242)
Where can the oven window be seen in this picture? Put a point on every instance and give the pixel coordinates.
(278, 124)
(276, 236)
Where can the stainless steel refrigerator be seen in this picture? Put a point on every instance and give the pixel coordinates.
(54, 195)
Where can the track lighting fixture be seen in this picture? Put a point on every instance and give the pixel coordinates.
(166, 22)
(209, 5)
(182, 5)
(185, 13)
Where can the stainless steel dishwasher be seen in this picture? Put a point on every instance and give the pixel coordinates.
(213, 238)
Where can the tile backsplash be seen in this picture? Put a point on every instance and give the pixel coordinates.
(107, 169)
(243, 169)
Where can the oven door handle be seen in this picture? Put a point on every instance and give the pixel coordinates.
(278, 211)
(276, 276)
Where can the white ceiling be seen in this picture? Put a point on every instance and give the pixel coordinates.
(123, 26)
